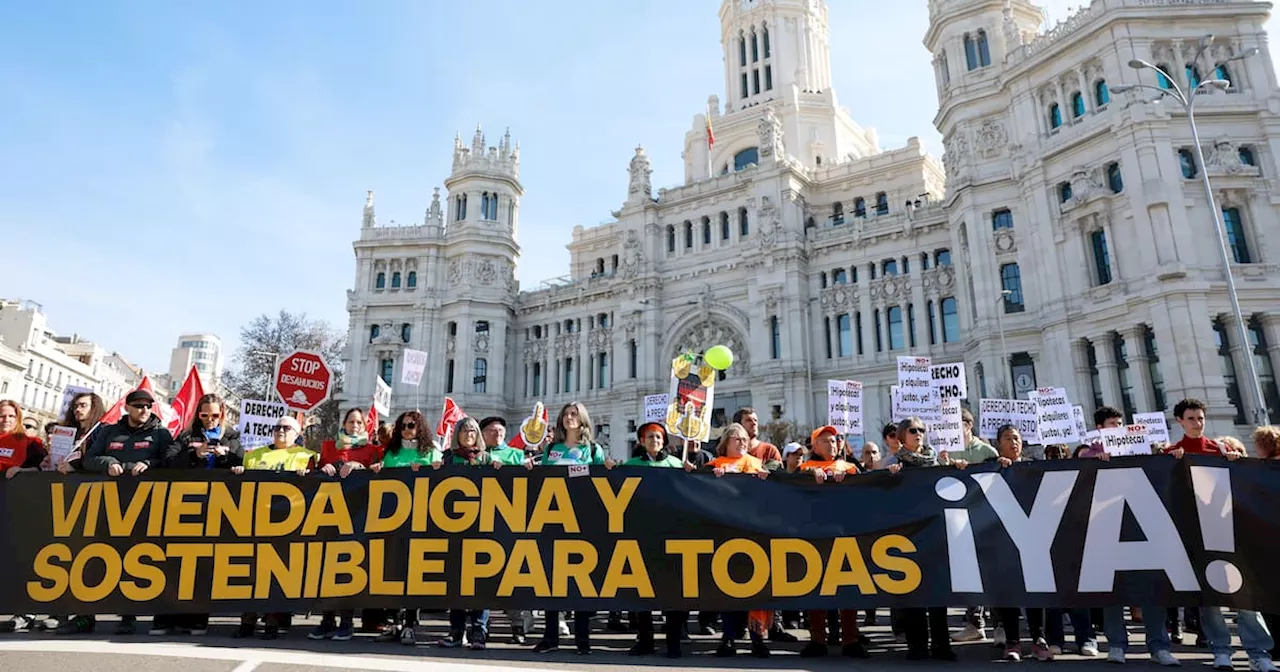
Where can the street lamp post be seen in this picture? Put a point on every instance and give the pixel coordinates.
(1004, 347)
(1188, 101)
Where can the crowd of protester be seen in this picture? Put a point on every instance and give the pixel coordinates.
(138, 442)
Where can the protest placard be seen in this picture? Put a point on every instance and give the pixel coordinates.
(946, 435)
(1157, 426)
(844, 406)
(1128, 440)
(381, 397)
(994, 413)
(257, 422)
(655, 407)
(415, 362)
(950, 380)
(1055, 420)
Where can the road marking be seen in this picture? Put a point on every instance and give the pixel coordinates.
(252, 658)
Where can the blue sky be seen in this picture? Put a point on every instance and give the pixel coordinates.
(207, 161)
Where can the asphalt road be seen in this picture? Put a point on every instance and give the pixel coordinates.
(218, 652)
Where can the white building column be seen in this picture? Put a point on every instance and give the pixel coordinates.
(1139, 368)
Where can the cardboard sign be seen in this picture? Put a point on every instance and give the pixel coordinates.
(1128, 440)
(692, 393)
(946, 435)
(381, 397)
(257, 422)
(655, 407)
(1055, 420)
(950, 380)
(62, 442)
(844, 406)
(994, 413)
(1157, 426)
(415, 362)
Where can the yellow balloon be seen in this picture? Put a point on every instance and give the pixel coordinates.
(719, 357)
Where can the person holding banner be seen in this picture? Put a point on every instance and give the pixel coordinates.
(410, 445)
(18, 452)
(764, 451)
(733, 458)
(925, 629)
(84, 414)
(349, 451)
(493, 430)
(826, 463)
(282, 455)
(573, 445)
(207, 444)
(653, 441)
(889, 436)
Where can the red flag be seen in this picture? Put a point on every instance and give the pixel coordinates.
(711, 135)
(371, 423)
(187, 401)
(168, 416)
(452, 413)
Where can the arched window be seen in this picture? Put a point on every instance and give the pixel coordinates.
(1055, 116)
(859, 207)
(688, 234)
(745, 158)
(387, 369)
(480, 382)
(1114, 179)
(395, 280)
(742, 50)
(380, 282)
(706, 230)
(374, 332)
(461, 210)
(1077, 105)
(1011, 281)
(1101, 94)
(744, 229)
(755, 46)
(1193, 76)
(1235, 236)
(1187, 162)
(944, 68)
(1162, 81)
(671, 238)
(970, 52)
(1221, 72)
(984, 50)
(950, 320)
(484, 205)
(882, 203)
(412, 280)
(768, 51)
(837, 213)
(724, 226)
(406, 332)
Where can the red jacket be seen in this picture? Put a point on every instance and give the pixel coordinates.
(367, 454)
(19, 450)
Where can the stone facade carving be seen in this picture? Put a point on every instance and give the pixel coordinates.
(713, 331)
(632, 255)
(955, 151)
(1224, 159)
(567, 344)
(1005, 242)
(770, 135)
(481, 270)
(640, 171)
(839, 299)
(481, 342)
(991, 138)
(939, 280)
(1085, 184)
(890, 289)
(600, 338)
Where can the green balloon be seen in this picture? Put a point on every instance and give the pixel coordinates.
(719, 357)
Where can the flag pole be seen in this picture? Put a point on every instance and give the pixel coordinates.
(711, 141)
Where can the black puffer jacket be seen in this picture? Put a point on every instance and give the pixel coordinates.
(127, 446)
(183, 453)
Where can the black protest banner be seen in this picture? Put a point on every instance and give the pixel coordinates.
(1066, 533)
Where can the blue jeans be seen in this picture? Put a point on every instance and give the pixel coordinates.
(1152, 621)
(1254, 636)
(1081, 625)
(460, 618)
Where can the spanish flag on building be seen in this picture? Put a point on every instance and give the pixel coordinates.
(711, 136)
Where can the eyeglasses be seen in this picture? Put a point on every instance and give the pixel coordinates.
(915, 430)
(410, 425)
(210, 416)
(141, 407)
(282, 428)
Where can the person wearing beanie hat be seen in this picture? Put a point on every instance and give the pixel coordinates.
(653, 441)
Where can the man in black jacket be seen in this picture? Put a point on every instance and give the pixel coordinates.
(134, 444)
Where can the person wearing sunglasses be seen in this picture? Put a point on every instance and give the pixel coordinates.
(207, 444)
(283, 455)
(130, 447)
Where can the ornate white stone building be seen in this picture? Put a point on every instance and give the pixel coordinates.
(816, 254)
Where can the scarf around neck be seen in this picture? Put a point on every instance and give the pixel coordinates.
(347, 441)
(925, 458)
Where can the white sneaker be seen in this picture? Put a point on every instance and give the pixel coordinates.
(1166, 659)
(1115, 655)
(527, 621)
(1089, 650)
(564, 629)
(1262, 665)
(1055, 649)
(997, 636)
(970, 633)
(1222, 661)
